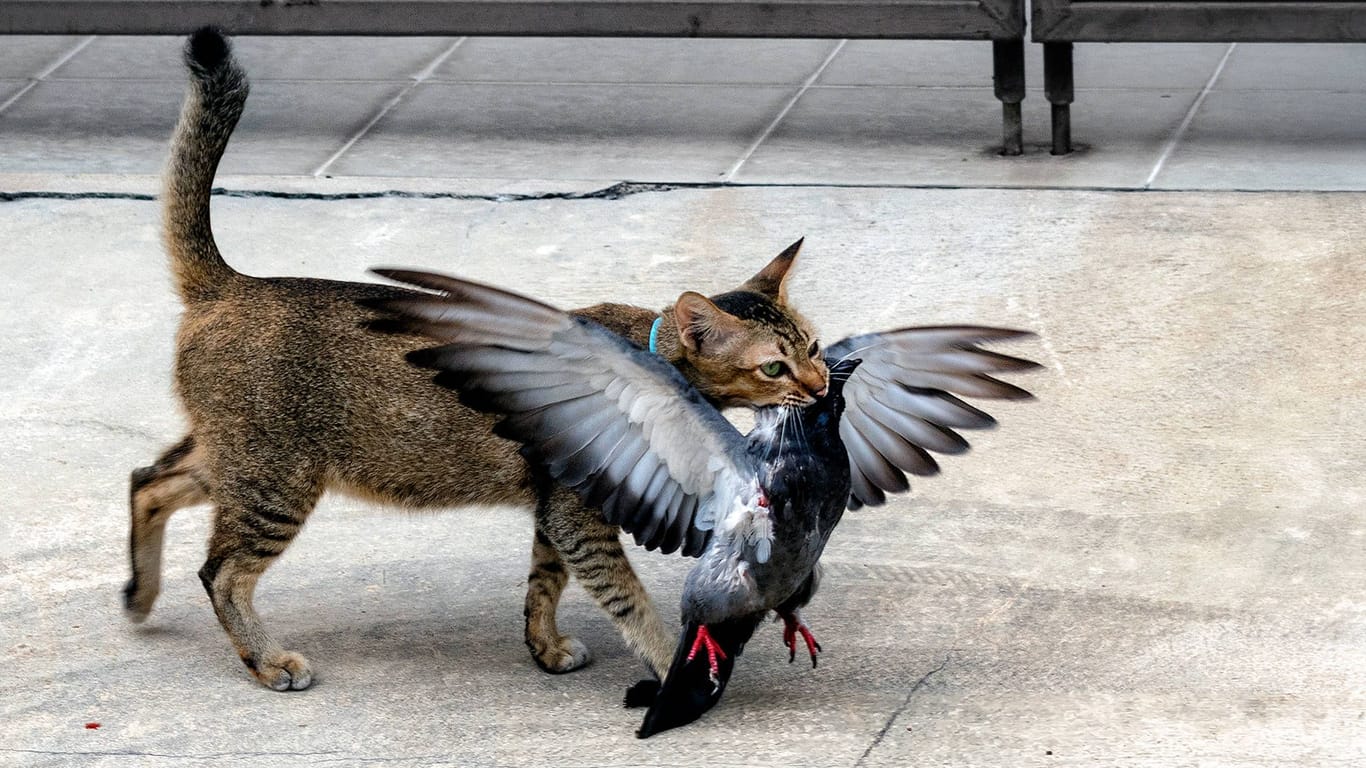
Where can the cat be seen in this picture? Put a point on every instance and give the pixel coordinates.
(289, 392)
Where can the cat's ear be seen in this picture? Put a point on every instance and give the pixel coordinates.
(771, 281)
(699, 320)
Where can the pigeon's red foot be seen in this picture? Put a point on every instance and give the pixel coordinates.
(792, 626)
(714, 652)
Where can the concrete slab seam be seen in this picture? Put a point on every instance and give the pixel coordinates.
(417, 80)
(1189, 118)
(782, 113)
(49, 69)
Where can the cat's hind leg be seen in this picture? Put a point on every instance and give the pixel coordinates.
(253, 525)
(553, 652)
(591, 550)
(175, 481)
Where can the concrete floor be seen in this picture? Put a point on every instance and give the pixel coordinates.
(1176, 116)
(1158, 563)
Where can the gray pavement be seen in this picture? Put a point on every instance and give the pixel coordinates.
(1187, 116)
(1161, 562)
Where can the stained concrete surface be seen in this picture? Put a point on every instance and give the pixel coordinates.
(1157, 563)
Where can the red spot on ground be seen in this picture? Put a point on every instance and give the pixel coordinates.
(91, 726)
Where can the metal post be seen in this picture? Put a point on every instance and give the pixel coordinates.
(1057, 85)
(1008, 73)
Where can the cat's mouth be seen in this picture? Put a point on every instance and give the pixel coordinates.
(747, 399)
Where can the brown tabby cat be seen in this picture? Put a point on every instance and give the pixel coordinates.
(289, 394)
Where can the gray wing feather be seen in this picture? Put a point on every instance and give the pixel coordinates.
(896, 447)
(672, 532)
(695, 539)
(862, 490)
(608, 481)
(913, 430)
(653, 487)
(900, 403)
(561, 450)
(528, 400)
(618, 425)
(629, 492)
(566, 415)
(870, 461)
(931, 405)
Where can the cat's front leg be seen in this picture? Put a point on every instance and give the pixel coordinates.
(553, 652)
(590, 550)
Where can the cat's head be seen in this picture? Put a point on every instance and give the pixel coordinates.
(749, 346)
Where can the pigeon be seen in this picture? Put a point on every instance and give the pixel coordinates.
(626, 430)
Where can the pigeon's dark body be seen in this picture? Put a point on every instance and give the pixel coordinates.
(803, 473)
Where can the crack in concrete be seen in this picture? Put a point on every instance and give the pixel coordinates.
(10, 197)
(614, 192)
(891, 719)
(626, 189)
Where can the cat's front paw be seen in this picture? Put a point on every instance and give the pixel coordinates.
(566, 655)
(285, 671)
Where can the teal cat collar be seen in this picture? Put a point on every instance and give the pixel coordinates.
(654, 335)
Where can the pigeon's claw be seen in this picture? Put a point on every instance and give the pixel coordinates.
(793, 626)
(714, 652)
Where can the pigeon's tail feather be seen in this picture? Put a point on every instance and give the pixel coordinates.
(688, 690)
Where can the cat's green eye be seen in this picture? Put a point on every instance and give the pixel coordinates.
(773, 368)
(815, 347)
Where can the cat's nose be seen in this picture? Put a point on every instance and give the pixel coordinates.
(814, 382)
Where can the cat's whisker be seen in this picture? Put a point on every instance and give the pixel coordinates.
(852, 353)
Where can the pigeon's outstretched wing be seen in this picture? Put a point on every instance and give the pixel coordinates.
(617, 424)
(900, 404)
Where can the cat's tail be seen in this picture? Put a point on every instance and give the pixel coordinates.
(217, 93)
